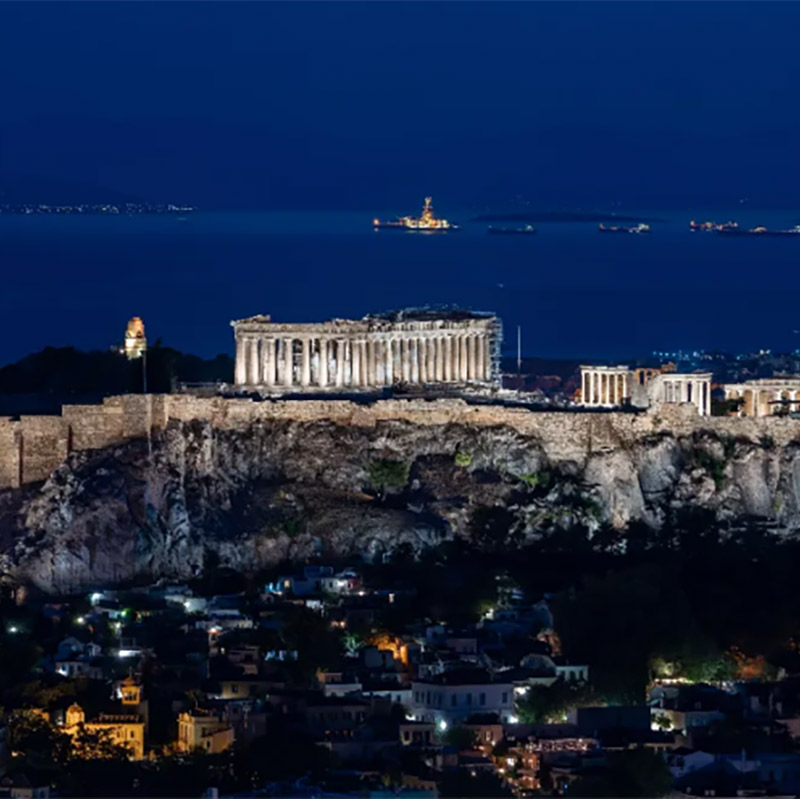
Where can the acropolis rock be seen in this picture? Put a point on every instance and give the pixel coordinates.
(147, 487)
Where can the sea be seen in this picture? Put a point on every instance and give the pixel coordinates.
(571, 291)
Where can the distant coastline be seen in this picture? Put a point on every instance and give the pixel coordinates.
(560, 216)
(94, 208)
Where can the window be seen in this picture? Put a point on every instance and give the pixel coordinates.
(133, 735)
(469, 698)
(505, 698)
(483, 698)
(453, 699)
(234, 688)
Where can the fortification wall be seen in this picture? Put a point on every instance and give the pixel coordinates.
(32, 447)
(10, 454)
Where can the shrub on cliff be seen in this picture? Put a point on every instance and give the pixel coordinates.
(386, 474)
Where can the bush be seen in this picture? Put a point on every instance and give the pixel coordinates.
(387, 474)
(463, 460)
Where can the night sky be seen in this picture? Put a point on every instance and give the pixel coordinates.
(354, 105)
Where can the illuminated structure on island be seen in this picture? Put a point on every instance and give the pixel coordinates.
(413, 347)
(610, 387)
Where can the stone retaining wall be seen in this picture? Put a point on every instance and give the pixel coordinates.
(32, 447)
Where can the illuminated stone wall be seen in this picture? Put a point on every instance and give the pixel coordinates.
(32, 447)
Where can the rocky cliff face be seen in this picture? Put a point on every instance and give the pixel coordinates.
(269, 491)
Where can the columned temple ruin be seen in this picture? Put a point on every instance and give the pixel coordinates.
(763, 397)
(610, 387)
(416, 347)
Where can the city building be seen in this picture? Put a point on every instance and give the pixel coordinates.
(414, 347)
(610, 387)
(452, 697)
(204, 730)
(123, 729)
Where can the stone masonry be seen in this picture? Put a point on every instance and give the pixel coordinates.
(32, 447)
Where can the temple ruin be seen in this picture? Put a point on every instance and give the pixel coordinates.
(415, 347)
(611, 387)
(763, 397)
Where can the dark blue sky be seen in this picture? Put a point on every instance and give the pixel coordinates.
(366, 104)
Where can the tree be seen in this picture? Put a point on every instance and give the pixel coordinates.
(550, 704)
(630, 773)
(385, 474)
(459, 737)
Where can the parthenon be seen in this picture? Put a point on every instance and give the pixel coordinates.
(406, 347)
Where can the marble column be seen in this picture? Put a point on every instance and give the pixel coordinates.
(463, 371)
(471, 364)
(240, 373)
(253, 371)
(447, 361)
(323, 362)
(288, 362)
(355, 376)
(480, 347)
(430, 352)
(340, 355)
(372, 378)
(388, 365)
(305, 368)
(413, 348)
(422, 359)
(438, 346)
(405, 359)
(268, 360)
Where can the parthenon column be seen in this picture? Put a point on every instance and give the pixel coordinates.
(447, 362)
(481, 357)
(288, 364)
(305, 369)
(253, 365)
(472, 366)
(355, 375)
(438, 355)
(240, 375)
(372, 377)
(323, 362)
(422, 359)
(430, 359)
(405, 359)
(340, 355)
(388, 372)
(268, 360)
(413, 345)
(463, 372)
